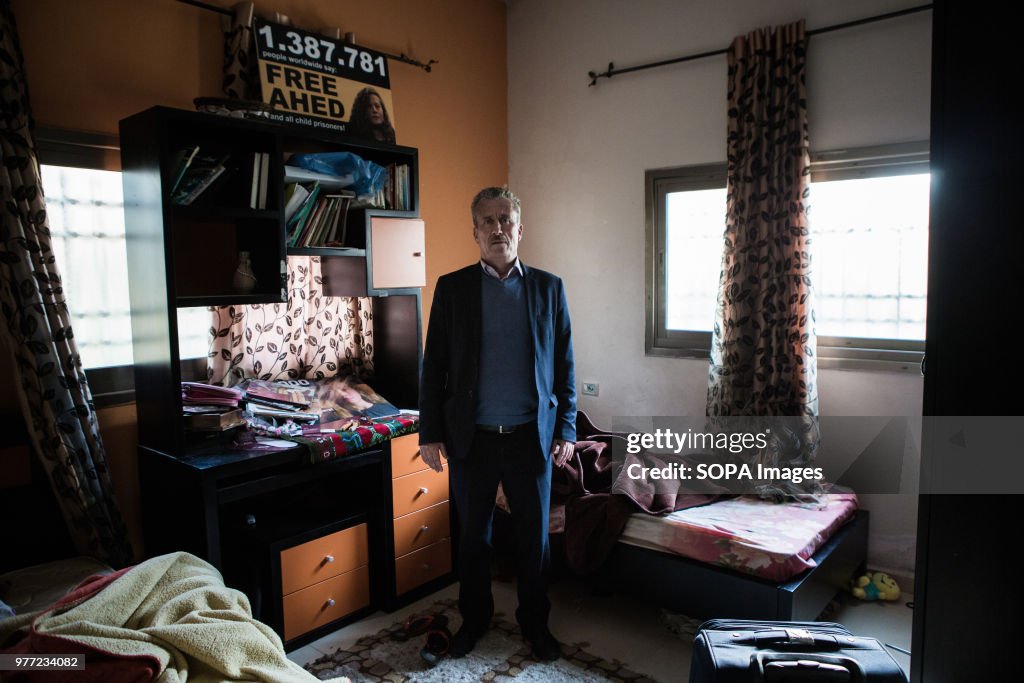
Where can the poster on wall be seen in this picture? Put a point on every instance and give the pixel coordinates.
(324, 83)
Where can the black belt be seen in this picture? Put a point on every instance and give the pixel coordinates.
(503, 429)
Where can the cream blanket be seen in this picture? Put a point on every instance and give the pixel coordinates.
(175, 611)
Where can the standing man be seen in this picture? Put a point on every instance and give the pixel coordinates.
(498, 400)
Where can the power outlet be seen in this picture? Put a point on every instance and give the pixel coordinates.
(591, 388)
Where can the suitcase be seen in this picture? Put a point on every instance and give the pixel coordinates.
(736, 650)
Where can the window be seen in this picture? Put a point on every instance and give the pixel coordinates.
(84, 203)
(869, 223)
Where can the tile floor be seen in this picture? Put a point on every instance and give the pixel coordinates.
(634, 633)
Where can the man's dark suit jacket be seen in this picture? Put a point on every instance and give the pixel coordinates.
(451, 360)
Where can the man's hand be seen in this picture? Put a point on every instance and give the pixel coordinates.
(561, 451)
(431, 453)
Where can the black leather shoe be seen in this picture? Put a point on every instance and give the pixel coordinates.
(544, 645)
(464, 641)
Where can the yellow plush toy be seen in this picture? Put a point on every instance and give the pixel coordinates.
(876, 586)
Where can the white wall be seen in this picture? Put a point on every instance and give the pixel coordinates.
(577, 157)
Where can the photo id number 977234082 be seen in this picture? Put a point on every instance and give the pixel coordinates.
(11, 662)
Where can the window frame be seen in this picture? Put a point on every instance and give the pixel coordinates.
(835, 352)
(113, 385)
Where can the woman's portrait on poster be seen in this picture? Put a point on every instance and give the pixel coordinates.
(369, 117)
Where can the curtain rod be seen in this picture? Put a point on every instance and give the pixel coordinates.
(612, 71)
(404, 58)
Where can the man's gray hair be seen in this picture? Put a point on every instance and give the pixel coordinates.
(496, 193)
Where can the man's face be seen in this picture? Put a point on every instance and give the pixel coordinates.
(497, 231)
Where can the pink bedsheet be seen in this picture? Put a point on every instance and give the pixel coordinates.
(747, 534)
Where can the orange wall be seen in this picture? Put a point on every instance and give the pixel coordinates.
(90, 64)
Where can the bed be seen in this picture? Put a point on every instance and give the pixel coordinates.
(733, 577)
(713, 556)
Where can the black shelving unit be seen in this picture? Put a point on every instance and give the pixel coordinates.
(200, 494)
(185, 255)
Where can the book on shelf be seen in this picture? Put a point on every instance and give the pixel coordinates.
(199, 176)
(299, 218)
(254, 191)
(214, 422)
(294, 195)
(264, 179)
(296, 174)
(325, 223)
(182, 160)
(394, 194)
(336, 234)
(311, 223)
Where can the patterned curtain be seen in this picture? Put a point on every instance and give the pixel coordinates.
(241, 79)
(311, 337)
(54, 392)
(763, 348)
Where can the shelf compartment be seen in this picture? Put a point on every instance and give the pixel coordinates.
(204, 276)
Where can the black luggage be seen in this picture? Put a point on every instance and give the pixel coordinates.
(736, 650)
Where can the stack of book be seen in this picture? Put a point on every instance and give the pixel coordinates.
(194, 173)
(316, 216)
(209, 408)
(272, 399)
(197, 393)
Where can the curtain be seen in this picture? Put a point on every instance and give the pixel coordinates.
(312, 336)
(241, 78)
(763, 359)
(53, 389)
(763, 346)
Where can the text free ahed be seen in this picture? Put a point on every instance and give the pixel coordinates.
(304, 91)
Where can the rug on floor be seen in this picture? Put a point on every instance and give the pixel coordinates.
(501, 655)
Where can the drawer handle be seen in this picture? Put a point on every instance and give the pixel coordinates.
(424, 490)
(424, 529)
(328, 559)
(330, 603)
(417, 254)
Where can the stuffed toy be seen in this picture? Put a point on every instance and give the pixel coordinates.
(875, 586)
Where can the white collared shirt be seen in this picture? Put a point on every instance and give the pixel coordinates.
(493, 273)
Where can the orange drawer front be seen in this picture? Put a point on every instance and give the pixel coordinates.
(328, 600)
(419, 490)
(416, 568)
(405, 456)
(322, 558)
(420, 529)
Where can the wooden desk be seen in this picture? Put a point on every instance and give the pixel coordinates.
(261, 517)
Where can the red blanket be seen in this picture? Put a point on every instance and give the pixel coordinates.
(594, 516)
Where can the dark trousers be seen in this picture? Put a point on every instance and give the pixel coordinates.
(514, 460)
